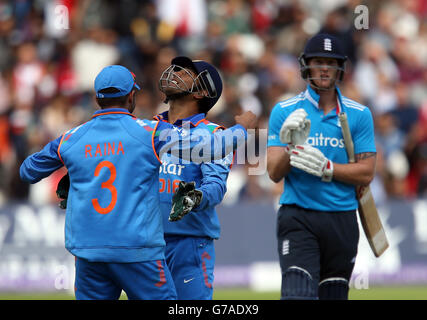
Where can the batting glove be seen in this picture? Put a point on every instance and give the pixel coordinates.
(312, 161)
(185, 199)
(296, 128)
(62, 190)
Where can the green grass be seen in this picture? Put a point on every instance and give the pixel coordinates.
(244, 294)
(390, 293)
(376, 293)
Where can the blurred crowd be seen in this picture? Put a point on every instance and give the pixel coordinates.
(51, 51)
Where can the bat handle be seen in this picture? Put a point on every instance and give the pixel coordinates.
(348, 141)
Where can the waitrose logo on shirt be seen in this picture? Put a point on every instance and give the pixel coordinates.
(320, 141)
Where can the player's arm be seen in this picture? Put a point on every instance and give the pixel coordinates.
(360, 173)
(278, 165)
(208, 146)
(41, 164)
(210, 193)
(313, 161)
(281, 130)
(214, 184)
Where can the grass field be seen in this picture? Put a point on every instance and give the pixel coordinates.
(376, 293)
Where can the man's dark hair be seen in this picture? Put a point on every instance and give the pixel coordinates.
(112, 102)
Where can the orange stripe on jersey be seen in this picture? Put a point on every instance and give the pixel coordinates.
(68, 136)
(159, 118)
(152, 141)
(57, 151)
(206, 255)
(161, 274)
(234, 156)
(200, 121)
(113, 112)
(219, 127)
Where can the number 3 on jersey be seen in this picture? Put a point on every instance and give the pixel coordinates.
(106, 185)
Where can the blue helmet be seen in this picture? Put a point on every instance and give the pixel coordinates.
(325, 46)
(206, 82)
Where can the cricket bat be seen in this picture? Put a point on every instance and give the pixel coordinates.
(368, 213)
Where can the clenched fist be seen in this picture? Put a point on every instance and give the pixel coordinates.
(247, 119)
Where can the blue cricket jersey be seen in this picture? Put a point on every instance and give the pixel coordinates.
(308, 191)
(210, 178)
(113, 162)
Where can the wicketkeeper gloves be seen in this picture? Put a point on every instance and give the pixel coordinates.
(296, 128)
(62, 190)
(185, 199)
(312, 161)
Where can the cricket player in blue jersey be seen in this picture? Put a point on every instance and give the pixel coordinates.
(113, 223)
(317, 228)
(190, 252)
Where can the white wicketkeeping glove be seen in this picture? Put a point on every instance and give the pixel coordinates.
(312, 161)
(296, 128)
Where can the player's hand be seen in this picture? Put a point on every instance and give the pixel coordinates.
(247, 119)
(296, 128)
(312, 161)
(185, 199)
(62, 190)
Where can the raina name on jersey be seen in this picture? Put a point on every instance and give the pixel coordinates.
(104, 149)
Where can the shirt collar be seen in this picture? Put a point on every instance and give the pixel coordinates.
(313, 97)
(194, 119)
(112, 111)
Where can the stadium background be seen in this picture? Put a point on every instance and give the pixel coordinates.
(46, 87)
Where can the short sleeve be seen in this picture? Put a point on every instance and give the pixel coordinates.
(277, 117)
(364, 135)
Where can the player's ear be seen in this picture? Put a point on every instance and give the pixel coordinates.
(200, 94)
(132, 101)
(132, 96)
(197, 96)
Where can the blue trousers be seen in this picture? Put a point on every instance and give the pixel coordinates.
(323, 244)
(191, 261)
(148, 280)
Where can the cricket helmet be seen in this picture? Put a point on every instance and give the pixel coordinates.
(325, 46)
(206, 82)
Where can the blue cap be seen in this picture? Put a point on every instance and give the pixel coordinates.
(115, 76)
